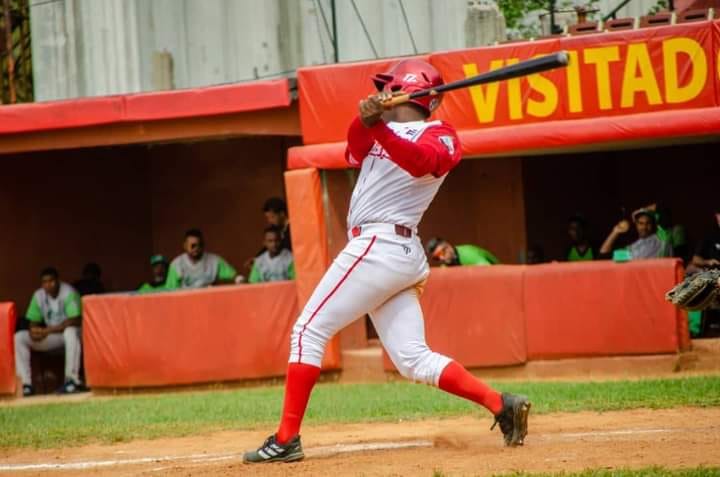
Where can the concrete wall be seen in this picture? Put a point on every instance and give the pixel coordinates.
(100, 47)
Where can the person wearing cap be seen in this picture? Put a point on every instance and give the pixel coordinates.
(159, 266)
(448, 255)
(648, 244)
(666, 231)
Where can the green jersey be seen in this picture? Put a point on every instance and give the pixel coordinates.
(574, 255)
(184, 273)
(474, 255)
(148, 287)
(53, 311)
(270, 269)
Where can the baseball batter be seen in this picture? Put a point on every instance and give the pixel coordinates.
(403, 159)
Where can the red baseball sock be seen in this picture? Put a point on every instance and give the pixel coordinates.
(455, 379)
(298, 385)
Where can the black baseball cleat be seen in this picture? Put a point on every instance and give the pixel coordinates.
(513, 419)
(272, 451)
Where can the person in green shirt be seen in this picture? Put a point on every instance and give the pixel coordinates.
(197, 268)
(580, 248)
(276, 262)
(159, 266)
(54, 316)
(443, 252)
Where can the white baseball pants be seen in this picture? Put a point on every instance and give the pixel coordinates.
(377, 273)
(69, 338)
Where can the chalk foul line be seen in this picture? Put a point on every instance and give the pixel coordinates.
(207, 458)
(324, 451)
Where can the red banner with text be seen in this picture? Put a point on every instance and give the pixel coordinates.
(610, 74)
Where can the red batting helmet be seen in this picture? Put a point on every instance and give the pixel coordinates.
(409, 76)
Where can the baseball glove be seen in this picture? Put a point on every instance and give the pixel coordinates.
(696, 292)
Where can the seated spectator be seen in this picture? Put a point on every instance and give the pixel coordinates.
(673, 234)
(580, 248)
(276, 262)
(707, 254)
(443, 252)
(196, 268)
(159, 266)
(90, 283)
(534, 255)
(648, 244)
(54, 317)
(275, 210)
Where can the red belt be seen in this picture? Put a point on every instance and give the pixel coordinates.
(399, 230)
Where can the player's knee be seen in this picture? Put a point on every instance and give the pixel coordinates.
(309, 339)
(412, 362)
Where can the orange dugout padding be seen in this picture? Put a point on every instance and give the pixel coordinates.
(310, 243)
(505, 315)
(475, 315)
(7, 348)
(600, 308)
(217, 334)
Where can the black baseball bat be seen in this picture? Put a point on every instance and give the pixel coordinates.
(522, 68)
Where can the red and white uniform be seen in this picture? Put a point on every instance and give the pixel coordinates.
(402, 166)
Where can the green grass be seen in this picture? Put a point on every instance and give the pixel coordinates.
(647, 472)
(178, 414)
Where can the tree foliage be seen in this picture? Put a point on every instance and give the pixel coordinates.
(516, 10)
(522, 17)
(19, 20)
(659, 6)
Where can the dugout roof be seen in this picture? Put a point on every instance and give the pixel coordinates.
(252, 108)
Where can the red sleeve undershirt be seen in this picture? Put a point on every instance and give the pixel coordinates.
(436, 152)
(359, 143)
(428, 155)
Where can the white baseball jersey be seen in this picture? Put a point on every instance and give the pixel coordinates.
(385, 192)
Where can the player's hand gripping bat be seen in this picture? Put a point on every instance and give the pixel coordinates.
(523, 68)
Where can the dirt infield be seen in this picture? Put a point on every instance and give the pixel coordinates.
(673, 438)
